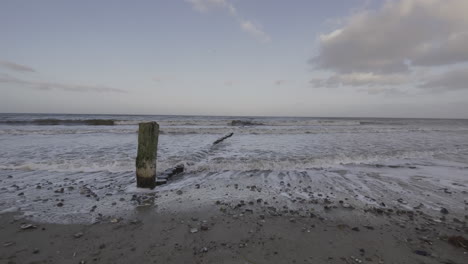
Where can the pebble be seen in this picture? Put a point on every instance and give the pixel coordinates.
(78, 235)
(421, 252)
(28, 226)
(204, 250)
(444, 210)
(204, 227)
(193, 230)
(9, 243)
(346, 205)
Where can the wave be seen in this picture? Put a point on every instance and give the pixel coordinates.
(54, 122)
(218, 130)
(244, 123)
(23, 132)
(202, 161)
(198, 122)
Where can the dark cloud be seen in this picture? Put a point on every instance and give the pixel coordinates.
(452, 80)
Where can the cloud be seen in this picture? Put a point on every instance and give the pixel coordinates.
(39, 85)
(422, 32)
(380, 47)
(206, 5)
(255, 30)
(15, 67)
(280, 82)
(451, 80)
(383, 90)
(360, 79)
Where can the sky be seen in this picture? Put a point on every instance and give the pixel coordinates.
(335, 58)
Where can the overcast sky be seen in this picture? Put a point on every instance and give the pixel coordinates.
(402, 58)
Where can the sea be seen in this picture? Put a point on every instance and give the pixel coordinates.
(363, 157)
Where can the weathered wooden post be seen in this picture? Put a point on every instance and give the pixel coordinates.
(148, 134)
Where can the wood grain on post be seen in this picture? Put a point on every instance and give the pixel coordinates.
(148, 134)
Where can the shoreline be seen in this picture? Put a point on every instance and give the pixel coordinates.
(239, 222)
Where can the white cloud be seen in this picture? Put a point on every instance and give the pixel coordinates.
(255, 30)
(424, 32)
(206, 5)
(379, 47)
(360, 79)
(15, 67)
(40, 85)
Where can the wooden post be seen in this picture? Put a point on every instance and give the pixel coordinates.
(148, 134)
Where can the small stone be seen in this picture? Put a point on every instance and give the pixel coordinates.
(78, 235)
(179, 192)
(193, 230)
(421, 253)
(135, 222)
(28, 226)
(60, 204)
(346, 205)
(102, 246)
(9, 243)
(36, 251)
(355, 229)
(444, 210)
(204, 227)
(204, 250)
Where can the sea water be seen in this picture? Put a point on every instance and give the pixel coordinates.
(98, 152)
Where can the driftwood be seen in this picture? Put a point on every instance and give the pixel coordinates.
(223, 138)
(167, 174)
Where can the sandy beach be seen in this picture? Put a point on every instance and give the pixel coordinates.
(206, 222)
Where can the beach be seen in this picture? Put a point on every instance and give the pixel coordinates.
(280, 190)
(241, 226)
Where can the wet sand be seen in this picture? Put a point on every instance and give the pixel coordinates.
(231, 230)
